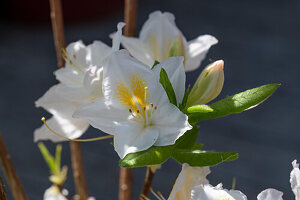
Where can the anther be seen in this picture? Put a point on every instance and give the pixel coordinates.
(155, 108)
(138, 111)
(130, 110)
(74, 56)
(144, 108)
(151, 105)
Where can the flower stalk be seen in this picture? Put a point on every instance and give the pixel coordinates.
(10, 173)
(75, 147)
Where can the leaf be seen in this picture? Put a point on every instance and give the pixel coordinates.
(152, 156)
(165, 82)
(58, 156)
(199, 109)
(188, 140)
(202, 158)
(47, 157)
(154, 64)
(185, 98)
(197, 146)
(233, 104)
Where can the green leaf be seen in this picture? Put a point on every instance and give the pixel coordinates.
(188, 140)
(233, 104)
(152, 156)
(202, 158)
(185, 98)
(155, 63)
(58, 157)
(197, 146)
(165, 82)
(199, 109)
(47, 157)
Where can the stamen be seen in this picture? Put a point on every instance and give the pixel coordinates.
(76, 140)
(160, 194)
(130, 110)
(155, 108)
(158, 197)
(151, 105)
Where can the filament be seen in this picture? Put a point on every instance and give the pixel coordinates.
(76, 140)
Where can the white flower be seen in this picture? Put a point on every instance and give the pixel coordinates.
(208, 192)
(160, 38)
(135, 108)
(80, 83)
(53, 193)
(295, 179)
(188, 178)
(270, 194)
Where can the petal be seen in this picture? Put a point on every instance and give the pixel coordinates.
(138, 50)
(171, 123)
(93, 82)
(270, 194)
(68, 127)
(295, 179)
(69, 76)
(208, 192)
(102, 116)
(197, 50)
(97, 52)
(133, 137)
(158, 33)
(119, 69)
(187, 179)
(53, 193)
(77, 53)
(175, 70)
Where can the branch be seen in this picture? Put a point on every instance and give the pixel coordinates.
(2, 190)
(147, 183)
(126, 174)
(10, 173)
(76, 152)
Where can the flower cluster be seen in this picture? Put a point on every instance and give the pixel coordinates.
(138, 95)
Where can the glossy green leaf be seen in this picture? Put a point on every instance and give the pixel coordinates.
(188, 140)
(185, 98)
(165, 82)
(199, 109)
(233, 104)
(152, 156)
(202, 158)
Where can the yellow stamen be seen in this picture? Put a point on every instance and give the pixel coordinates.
(76, 140)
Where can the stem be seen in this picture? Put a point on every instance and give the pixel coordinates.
(56, 15)
(126, 174)
(10, 173)
(148, 182)
(78, 170)
(2, 190)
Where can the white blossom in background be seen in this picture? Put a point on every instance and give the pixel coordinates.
(295, 179)
(135, 108)
(270, 194)
(208, 192)
(53, 193)
(160, 38)
(188, 178)
(80, 83)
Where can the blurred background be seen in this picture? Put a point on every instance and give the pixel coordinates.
(258, 40)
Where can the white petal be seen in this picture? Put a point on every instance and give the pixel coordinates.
(295, 179)
(69, 76)
(175, 70)
(53, 193)
(98, 51)
(102, 116)
(187, 179)
(208, 192)
(133, 137)
(138, 50)
(171, 123)
(93, 82)
(77, 53)
(270, 194)
(158, 32)
(68, 127)
(118, 68)
(197, 50)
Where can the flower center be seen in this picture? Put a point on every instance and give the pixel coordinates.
(136, 98)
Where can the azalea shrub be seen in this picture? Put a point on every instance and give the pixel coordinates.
(139, 97)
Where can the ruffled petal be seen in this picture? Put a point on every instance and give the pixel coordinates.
(197, 50)
(270, 194)
(132, 137)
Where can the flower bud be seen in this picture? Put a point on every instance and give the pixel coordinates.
(177, 47)
(208, 85)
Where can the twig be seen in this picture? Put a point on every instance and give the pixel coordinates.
(147, 183)
(10, 173)
(76, 152)
(126, 174)
(58, 29)
(2, 190)
(78, 171)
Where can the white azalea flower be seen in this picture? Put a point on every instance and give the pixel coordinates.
(188, 178)
(160, 38)
(80, 83)
(208, 192)
(135, 108)
(295, 179)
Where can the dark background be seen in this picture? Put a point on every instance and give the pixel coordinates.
(259, 42)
